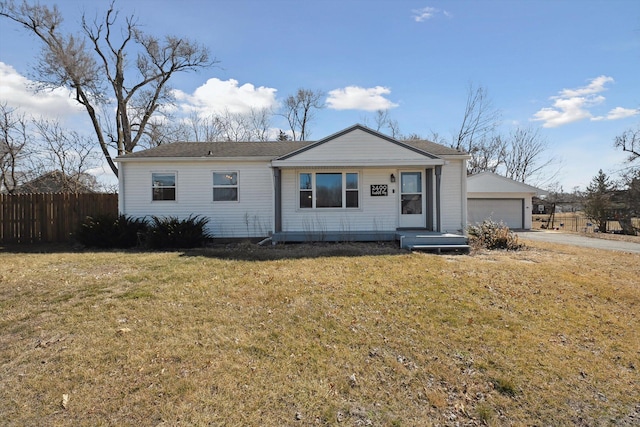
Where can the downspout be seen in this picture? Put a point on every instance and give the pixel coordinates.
(121, 175)
(438, 194)
(465, 214)
(277, 182)
(430, 200)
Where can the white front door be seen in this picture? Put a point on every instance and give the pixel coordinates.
(412, 200)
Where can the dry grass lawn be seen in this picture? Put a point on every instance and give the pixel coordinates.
(320, 335)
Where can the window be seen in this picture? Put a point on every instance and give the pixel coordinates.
(306, 191)
(164, 185)
(411, 193)
(225, 186)
(352, 190)
(328, 190)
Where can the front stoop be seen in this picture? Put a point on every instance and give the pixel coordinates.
(430, 241)
(412, 239)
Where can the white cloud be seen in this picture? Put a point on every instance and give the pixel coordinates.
(572, 105)
(359, 98)
(16, 91)
(217, 96)
(426, 13)
(596, 86)
(618, 113)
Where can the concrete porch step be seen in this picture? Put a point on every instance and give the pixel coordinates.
(440, 248)
(419, 240)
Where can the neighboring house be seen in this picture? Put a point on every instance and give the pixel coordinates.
(495, 197)
(357, 184)
(57, 182)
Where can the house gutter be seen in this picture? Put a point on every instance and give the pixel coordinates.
(438, 197)
(277, 196)
(121, 175)
(465, 215)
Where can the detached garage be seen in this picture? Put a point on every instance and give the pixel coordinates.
(501, 199)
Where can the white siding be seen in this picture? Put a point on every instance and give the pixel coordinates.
(251, 216)
(358, 147)
(453, 219)
(377, 213)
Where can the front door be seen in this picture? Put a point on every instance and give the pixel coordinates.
(412, 201)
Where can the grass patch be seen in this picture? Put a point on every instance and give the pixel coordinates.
(504, 386)
(136, 294)
(319, 335)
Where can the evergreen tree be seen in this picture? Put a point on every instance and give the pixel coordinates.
(598, 200)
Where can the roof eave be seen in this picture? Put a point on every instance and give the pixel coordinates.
(357, 163)
(195, 159)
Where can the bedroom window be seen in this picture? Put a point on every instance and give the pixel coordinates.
(329, 190)
(225, 186)
(163, 186)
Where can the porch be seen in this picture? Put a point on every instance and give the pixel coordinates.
(412, 239)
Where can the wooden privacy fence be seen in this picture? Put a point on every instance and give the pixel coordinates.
(50, 218)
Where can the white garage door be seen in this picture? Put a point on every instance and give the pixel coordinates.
(509, 211)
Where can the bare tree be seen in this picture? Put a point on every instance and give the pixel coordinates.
(299, 110)
(13, 147)
(198, 128)
(254, 125)
(487, 155)
(165, 130)
(382, 120)
(629, 141)
(67, 152)
(479, 121)
(101, 67)
(437, 138)
(523, 154)
(260, 121)
(234, 126)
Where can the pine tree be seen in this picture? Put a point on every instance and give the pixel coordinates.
(598, 200)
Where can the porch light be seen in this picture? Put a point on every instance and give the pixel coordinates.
(392, 178)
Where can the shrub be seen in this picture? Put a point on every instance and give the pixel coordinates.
(493, 235)
(108, 231)
(171, 232)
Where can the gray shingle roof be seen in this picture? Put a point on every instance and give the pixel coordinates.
(433, 148)
(220, 149)
(270, 150)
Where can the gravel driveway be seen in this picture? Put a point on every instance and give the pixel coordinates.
(577, 240)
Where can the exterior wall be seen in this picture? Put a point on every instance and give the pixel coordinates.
(253, 214)
(453, 203)
(250, 216)
(349, 148)
(376, 213)
(527, 197)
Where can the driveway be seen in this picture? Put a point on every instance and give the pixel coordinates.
(577, 240)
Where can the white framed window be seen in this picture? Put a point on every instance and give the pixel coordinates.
(321, 190)
(163, 186)
(225, 186)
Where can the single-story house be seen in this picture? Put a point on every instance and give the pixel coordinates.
(501, 199)
(54, 182)
(357, 184)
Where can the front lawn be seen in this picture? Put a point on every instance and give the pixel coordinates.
(320, 335)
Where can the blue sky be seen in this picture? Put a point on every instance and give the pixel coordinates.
(571, 68)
